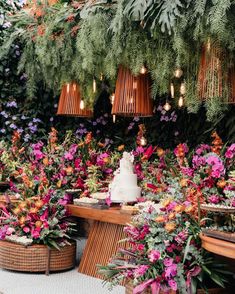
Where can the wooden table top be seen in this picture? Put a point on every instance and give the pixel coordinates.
(111, 215)
(217, 246)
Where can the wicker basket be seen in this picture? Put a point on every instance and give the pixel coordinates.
(36, 258)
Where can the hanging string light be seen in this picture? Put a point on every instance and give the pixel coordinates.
(94, 86)
(172, 90)
(178, 73)
(112, 97)
(143, 141)
(181, 101)
(82, 105)
(183, 88)
(143, 70)
(114, 118)
(167, 106)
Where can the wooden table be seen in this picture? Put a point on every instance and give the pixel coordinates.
(217, 246)
(103, 238)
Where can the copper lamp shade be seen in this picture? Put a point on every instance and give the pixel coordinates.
(71, 103)
(133, 94)
(215, 78)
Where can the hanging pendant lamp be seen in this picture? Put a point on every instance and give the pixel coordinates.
(132, 95)
(71, 103)
(215, 78)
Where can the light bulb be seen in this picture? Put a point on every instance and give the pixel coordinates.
(94, 86)
(183, 88)
(82, 105)
(131, 100)
(68, 88)
(134, 85)
(167, 106)
(112, 98)
(101, 77)
(181, 101)
(143, 141)
(178, 73)
(172, 90)
(143, 70)
(114, 118)
(74, 87)
(208, 44)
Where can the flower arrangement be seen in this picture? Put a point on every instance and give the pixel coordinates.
(39, 219)
(164, 252)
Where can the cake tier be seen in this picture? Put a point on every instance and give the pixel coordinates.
(124, 168)
(127, 194)
(126, 180)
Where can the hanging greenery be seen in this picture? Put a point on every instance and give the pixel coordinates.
(80, 40)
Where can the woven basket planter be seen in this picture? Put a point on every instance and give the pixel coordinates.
(36, 258)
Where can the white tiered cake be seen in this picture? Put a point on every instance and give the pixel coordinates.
(124, 186)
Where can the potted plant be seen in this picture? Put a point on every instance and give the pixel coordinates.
(36, 232)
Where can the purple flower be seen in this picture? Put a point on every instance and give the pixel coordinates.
(33, 129)
(13, 126)
(23, 117)
(51, 119)
(4, 114)
(12, 104)
(27, 137)
(136, 118)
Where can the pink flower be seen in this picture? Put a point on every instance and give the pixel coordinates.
(26, 229)
(141, 270)
(140, 247)
(230, 153)
(154, 255)
(68, 156)
(202, 148)
(215, 199)
(35, 233)
(168, 261)
(171, 270)
(217, 166)
(172, 284)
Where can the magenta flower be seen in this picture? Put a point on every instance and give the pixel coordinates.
(202, 148)
(230, 152)
(215, 199)
(171, 270)
(172, 284)
(141, 270)
(168, 261)
(217, 166)
(154, 255)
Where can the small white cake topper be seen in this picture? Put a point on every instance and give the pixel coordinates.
(126, 163)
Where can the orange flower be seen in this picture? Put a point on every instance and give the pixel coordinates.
(17, 210)
(166, 202)
(22, 204)
(22, 220)
(106, 160)
(160, 152)
(100, 144)
(39, 203)
(183, 182)
(58, 184)
(171, 216)
(45, 161)
(33, 210)
(69, 170)
(121, 147)
(189, 209)
(179, 208)
(160, 219)
(38, 224)
(169, 227)
(221, 184)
